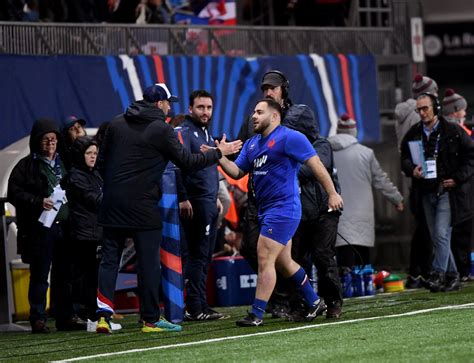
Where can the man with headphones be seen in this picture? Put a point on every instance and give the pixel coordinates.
(443, 182)
(300, 117)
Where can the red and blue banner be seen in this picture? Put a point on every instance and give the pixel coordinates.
(98, 88)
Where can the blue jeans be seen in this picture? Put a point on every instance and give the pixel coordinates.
(438, 218)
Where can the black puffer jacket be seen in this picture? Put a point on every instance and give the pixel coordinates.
(27, 187)
(132, 159)
(84, 192)
(455, 161)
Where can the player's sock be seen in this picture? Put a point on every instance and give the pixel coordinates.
(258, 308)
(300, 279)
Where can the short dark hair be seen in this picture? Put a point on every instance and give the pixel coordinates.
(197, 94)
(272, 104)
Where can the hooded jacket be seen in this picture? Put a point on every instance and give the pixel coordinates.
(84, 192)
(136, 149)
(27, 187)
(406, 117)
(358, 172)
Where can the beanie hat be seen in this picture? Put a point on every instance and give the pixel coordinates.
(346, 125)
(453, 102)
(422, 84)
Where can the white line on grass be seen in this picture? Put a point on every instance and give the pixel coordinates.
(312, 326)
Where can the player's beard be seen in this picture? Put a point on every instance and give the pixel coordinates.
(262, 126)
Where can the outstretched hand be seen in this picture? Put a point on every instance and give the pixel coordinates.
(226, 148)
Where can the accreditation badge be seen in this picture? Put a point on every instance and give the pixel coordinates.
(431, 169)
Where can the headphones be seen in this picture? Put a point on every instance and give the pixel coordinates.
(434, 99)
(285, 85)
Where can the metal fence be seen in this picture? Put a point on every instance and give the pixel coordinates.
(390, 47)
(104, 39)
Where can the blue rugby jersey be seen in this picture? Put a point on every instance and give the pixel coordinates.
(275, 161)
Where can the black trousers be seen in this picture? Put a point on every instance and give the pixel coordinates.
(315, 241)
(348, 257)
(85, 278)
(461, 238)
(51, 251)
(201, 234)
(147, 246)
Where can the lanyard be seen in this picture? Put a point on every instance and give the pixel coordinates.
(436, 150)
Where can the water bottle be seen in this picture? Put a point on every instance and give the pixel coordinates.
(346, 281)
(358, 282)
(369, 280)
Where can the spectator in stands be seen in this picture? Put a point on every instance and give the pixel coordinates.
(358, 172)
(132, 159)
(454, 110)
(30, 187)
(84, 193)
(152, 12)
(199, 214)
(315, 238)
(30, 11)
(274, 155)
(443, 182)
(420, 246)
(276, 86)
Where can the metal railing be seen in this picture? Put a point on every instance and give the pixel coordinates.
(105, 39)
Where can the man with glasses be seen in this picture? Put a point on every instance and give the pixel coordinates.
(30, 189)
(442, 179)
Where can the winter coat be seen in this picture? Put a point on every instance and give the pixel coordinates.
(455, 161)
(27, 187)
(132, 159)
(84, 192)
(406, 117)
(202, 184)
(358, 171)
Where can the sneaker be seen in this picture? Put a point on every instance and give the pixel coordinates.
(103, 326)
(215, 315)
(436, 282)
(452, 284)
(209, 314)
(160, 325)
(39, 327)
(309, 314)
(334, 310)
(250, 320)
(414, 282)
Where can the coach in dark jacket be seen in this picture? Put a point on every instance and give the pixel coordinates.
(132, 159)
(84, 191)
(45, 248)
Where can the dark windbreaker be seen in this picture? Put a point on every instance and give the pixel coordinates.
(132, 159)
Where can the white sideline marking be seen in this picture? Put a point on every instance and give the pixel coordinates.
(312, 326)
